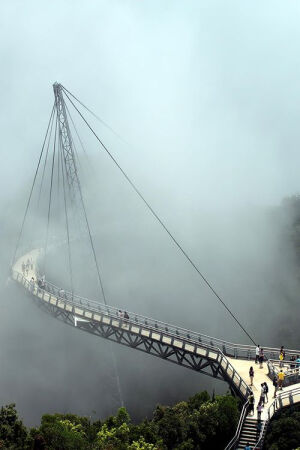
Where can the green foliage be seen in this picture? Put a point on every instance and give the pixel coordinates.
(63, 432)
(141, 445)
(199, 423)
(113, 438)
(198, 399)
(13, 434)
(283, 432)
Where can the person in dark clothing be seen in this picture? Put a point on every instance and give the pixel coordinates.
(258, 429)
(251, 375)
(266, 388)
(261, 358)
(251, 403)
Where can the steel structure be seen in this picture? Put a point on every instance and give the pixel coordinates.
(210, 356)
(66, 141)
(136, 332)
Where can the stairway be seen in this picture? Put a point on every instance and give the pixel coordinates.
(249, 433)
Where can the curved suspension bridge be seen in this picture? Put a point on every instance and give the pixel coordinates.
(214, 357)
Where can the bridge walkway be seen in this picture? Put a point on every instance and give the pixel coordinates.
(214, 357)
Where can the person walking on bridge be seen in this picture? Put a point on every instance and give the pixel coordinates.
(275, 384)
(280, 379)
(259, 410)
(251, 401)
(256, 354)
(251, 375)
(262, 394)
(266, 388)
(281, 358)
(261, 358)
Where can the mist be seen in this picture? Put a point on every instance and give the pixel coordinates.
(205, 98)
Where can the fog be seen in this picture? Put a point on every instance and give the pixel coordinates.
(205, 98)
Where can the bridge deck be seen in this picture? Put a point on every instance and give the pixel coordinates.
(176, 344)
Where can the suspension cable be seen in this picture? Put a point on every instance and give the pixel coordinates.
(50, 194)
(92, 244)
(114, 361)
(66, 215)
(32, 187)
(46, 159)
(162, 223)
(97, 117)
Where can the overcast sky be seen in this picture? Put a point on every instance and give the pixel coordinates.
(205, 93)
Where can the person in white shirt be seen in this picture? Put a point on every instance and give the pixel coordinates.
(257, 350)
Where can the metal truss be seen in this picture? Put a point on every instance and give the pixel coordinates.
(124, 336)
(66, 141)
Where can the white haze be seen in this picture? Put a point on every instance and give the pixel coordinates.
(206, 93)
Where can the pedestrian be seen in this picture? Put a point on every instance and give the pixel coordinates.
(251, 403)
(27, 269)
(23, 268)
(266, 387)
(280, 379)
(281, 358)
(256, 354)
(126, 316)
(259, 410)
(258, 429)
(262, 394)
(31, 284)
(261, 358)
(275, 384)
(292, 359)
(298, 361)
(282, 351)
(251, 375)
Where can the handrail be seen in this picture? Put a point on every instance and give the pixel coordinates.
(227, 347)
(112, 312)
(273, 408)
(292, 376)
(236, 437)
(229, 372)
(243, 351)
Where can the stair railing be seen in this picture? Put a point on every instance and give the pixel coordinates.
(283, 400)
(234, 441)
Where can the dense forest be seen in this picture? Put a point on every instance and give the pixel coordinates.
(284, 430)
(199, 423)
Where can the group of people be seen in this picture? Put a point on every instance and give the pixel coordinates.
(27, 266)
(278, 380)
(41, 282)
(259, 356)
(123, 315)
(264, 390)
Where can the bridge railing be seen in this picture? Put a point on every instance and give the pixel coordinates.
(184, 339)
(228, 348)
(234, 441)
(283, 400)
(292, 374)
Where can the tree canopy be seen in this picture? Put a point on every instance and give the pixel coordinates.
(198, 423)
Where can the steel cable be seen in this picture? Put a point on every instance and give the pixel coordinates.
(162, 224)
